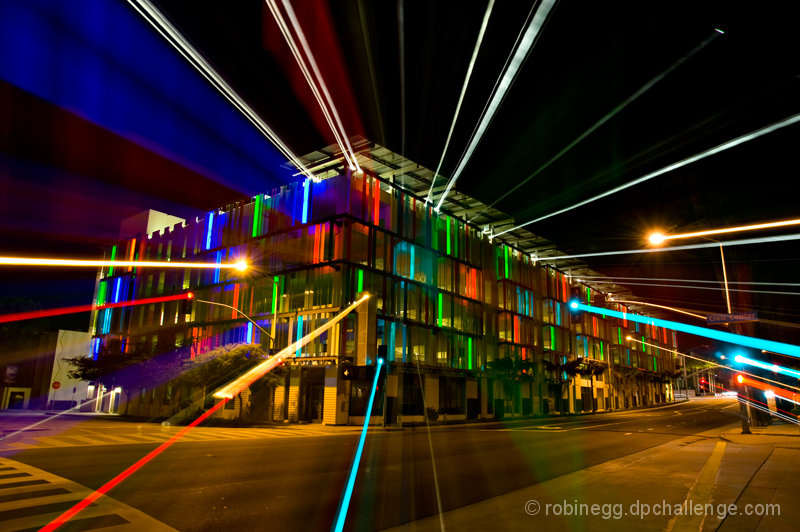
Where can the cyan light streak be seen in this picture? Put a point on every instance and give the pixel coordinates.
(463, 91)
(615, 278)
(674, 166)
(209, 229)
(747, 341)
(769, 367)
(522, 51)
(351, 480)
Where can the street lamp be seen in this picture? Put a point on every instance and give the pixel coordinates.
(657, 238)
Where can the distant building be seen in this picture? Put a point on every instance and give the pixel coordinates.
(40, 381)
(473, 325)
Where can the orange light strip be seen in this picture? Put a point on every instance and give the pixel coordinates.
(26, 261)
(769, 225)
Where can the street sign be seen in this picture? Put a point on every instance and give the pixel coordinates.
(731, 318)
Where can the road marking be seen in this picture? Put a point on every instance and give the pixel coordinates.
(33, 504)
(700, 493)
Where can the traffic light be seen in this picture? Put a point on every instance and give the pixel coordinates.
(186, 304)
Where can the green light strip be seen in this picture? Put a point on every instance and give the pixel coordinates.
(360, 281)
(552, 338)
(440, 309)
(113, 257)
(257, 216)
(447, 223)
(274, 297)
(101, 293)
(469, 353)
(505, 248)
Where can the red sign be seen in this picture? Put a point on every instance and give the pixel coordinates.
(56, 385)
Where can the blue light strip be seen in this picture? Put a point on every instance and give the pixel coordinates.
(249, 333)
(209, 228)
(299, 332)
(756, 343)
(351, 480)
(770, 367)
(306, 188)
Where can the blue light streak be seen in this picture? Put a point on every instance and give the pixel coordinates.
(351, 480)
(306, 189)
(756, 343)
(770, 367)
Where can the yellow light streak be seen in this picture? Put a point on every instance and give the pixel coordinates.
(658, 238)
(33, 261)
(698, 316)
(231, 389)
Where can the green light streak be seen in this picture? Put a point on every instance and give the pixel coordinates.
(360, 281)
(440, 309)
(257, 216)
(274, 297)
(447, 223)
(469, 353)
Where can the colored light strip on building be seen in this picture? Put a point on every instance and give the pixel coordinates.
(209, 228)
(351, 479)
(113, 256)
(306, 189)
(757, 343)
(360, 284)
(440, 309)
(469, 353)
(257, 216)
(299, 333)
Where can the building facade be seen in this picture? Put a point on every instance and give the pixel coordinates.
(470, 327)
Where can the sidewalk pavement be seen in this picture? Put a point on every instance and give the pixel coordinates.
(716, 480)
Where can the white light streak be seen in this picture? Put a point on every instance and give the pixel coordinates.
(747, 241)
(698, 316)
(315, 81)
(684, 280)
(528, 39)
(154, 17)
(644, 88)
(674, 166)
(463, 91)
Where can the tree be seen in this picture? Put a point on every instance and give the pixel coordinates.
(142, 366)
(217, 367)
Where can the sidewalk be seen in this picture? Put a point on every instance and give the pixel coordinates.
(693, 483)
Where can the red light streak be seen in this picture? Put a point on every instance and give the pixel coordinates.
(105, 488)
(32, 314)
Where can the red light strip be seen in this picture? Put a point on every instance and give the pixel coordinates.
(86, 308)
(105, 488)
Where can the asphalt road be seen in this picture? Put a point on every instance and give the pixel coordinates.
(296, 483)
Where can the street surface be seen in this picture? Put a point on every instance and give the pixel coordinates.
(292, 478)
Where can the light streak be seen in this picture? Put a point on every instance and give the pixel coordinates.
(690, 287)
(743, 242)
(657, 238)
(769, 367)
(26, 261)
(318, 86)
(154, 17)
(674, 166)
(714, 363)
(33, 314)
(463, 92)
(231, 389)
(105, 488)
(683, 280)
(757, 343)
(522, 51)
(786, 416)
(698, 316)
(644, 88)
(248, 318)
(48, 418)
(351, 479)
